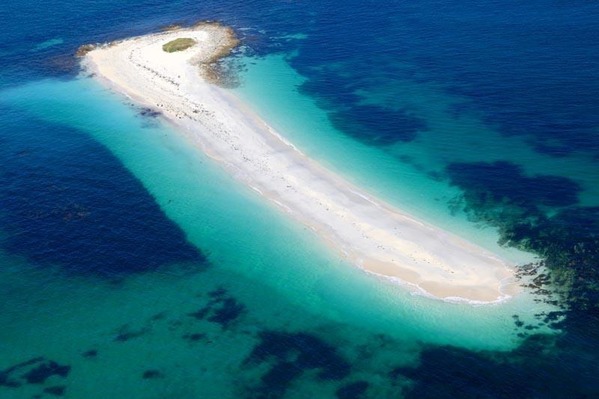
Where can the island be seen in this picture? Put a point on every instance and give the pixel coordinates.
(172, 73)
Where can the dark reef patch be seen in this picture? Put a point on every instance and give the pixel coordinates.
(6, 379)
(504, 182)
(57, 390)
(540, 85)
(217, 293)
(226, 311)
(125, 333)
(278, 378)
(158, 316)
(534, 370)
(152, 374)
(221, 309)
(194, 337)
(174, 324)
(360, 121)
(568, 241)
(568, 238)
(42, 372)
(87, 214)
(354, 390)
(290, 355)
(371, 124)
(90, 354)
(33, 371)
(363, 122)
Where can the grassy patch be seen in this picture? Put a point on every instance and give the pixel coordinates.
(178, 44)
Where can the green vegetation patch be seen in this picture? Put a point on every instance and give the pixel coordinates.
(180, 44)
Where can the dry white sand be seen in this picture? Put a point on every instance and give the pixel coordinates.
(364, 230)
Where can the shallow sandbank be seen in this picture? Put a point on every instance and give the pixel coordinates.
(364, 230)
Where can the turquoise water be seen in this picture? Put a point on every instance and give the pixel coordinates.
(133, 266)
(246, 235)
(285, 278)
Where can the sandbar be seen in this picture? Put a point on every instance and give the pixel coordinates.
(366, 231)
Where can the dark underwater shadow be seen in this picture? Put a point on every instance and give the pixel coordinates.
(68, 201)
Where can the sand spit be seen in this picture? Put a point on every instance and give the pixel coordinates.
(364, 230)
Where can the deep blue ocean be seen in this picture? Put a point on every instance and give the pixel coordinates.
(106, 258)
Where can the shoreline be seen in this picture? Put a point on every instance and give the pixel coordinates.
(365, 231)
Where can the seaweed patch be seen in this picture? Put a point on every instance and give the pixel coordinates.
(57, 390)
(290, 355)
(125, 333)
(6, 374)
(33, 371)
(194, 337)
(354, 390)
(152, 374)
(42, 372)
(221, 309)
(90, 354)
(449, 372)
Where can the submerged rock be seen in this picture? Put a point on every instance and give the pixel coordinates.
(92, 353)
(222, 309)
(58, 390)
(41, 373)
(152, 374)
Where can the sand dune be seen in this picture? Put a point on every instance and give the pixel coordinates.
(364, 230)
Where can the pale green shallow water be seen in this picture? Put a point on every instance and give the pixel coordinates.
(276, 267)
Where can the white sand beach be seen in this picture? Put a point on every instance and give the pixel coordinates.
(364, 230)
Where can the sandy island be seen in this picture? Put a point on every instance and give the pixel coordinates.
(364, 230)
